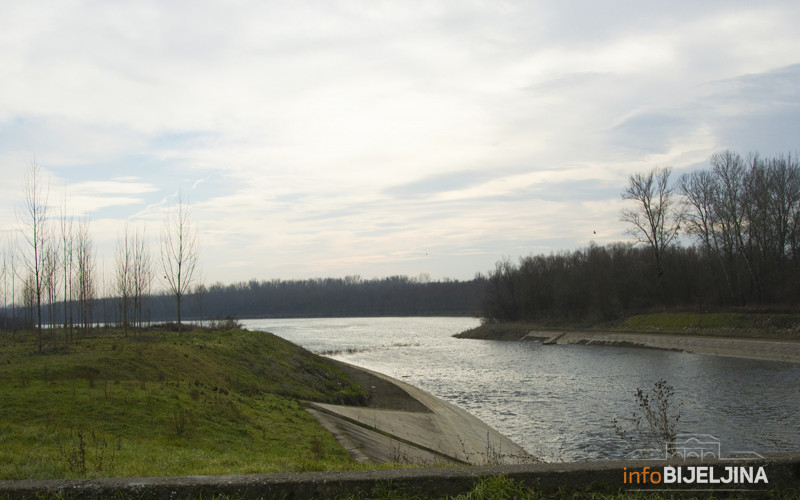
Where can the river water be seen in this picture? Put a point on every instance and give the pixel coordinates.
(559, 402)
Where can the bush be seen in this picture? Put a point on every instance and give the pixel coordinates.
(229, 323)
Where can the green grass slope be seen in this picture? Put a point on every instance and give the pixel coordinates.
(165, 404)
(753, 325)
(745, 325)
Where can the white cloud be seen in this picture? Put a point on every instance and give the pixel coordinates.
(320, 138)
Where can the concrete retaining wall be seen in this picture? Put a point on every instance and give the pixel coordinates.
(782, 473)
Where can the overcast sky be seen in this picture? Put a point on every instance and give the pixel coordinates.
(323, 138)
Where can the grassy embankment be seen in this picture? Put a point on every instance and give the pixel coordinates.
(746, 325)
(164, 403)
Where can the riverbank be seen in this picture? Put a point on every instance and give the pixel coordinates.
(406, 425)
(772, 349)
(165, 403)
(216, 402)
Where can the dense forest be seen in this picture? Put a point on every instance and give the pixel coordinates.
(724, 237)
(350, 296)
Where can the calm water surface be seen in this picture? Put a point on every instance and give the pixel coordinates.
(559, 401)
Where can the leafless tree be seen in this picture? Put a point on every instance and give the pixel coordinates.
(85, 273)
(700, 193)
(51, 276)
(735, 207)
(179, 252)
(12, 262)
(123, 276)
(67, 261)
(776, 212)
(655, 220)
(5, 272)
(785, 181)
(33, 226)
(744, 213)
(29, 300)
(142, 274)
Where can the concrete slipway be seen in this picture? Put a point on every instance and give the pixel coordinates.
(407, 425)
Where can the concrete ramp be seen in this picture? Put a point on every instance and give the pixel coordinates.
(433, 431)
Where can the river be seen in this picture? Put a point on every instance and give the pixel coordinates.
(559, 402)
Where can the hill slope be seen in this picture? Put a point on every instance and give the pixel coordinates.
(164, 403)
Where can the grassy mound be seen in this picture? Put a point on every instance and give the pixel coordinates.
(165, 403)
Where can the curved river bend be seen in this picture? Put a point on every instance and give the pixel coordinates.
(559, 402)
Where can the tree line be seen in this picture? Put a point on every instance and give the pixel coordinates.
(349, 296)
(726, 236)
(320, 297)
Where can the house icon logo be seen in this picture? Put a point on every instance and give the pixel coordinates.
(694, 446)
(702, 447)
(691, 447)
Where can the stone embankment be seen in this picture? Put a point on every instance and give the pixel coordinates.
(776, 350)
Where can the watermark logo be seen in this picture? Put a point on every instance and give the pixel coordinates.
(692, 447)
(698, 446)
(726, 471)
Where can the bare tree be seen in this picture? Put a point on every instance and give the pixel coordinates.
(33, 225)
(67, 261)
(5, 271)
(85, 273)
(655, 220)
(123, 276)
(779, 205)
(744, 213)
(29, 301)
(11, 256)
(179, 252)
(142, 274)
(51, 277)
(785, 209)
(700, 190)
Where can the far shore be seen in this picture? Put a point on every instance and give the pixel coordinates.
(772, 349)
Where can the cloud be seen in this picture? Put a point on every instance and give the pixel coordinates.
(356, 137)
(118, 186)
(649, 132)
(756, 112)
